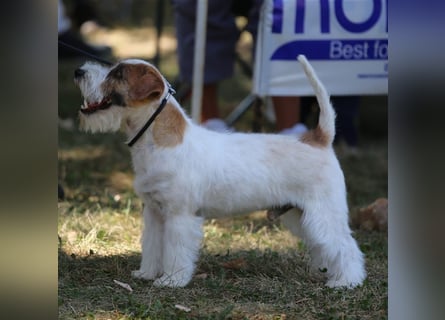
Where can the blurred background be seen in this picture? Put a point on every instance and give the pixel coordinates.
(129, 28)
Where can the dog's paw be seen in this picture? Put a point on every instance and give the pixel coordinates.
(171, 281)
(139, 274)
(350, 278)
(342, 283)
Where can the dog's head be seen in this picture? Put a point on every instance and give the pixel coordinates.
(113, 94)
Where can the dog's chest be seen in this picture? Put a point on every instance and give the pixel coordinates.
(154, 176)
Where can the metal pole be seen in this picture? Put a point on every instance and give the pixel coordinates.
(199, 59)
(159, 26)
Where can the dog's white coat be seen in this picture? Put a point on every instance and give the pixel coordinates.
(212, 174)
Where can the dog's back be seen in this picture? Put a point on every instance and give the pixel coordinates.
(323, 135)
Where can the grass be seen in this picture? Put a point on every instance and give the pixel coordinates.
(249, 268)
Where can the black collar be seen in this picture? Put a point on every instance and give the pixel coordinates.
(153, 117)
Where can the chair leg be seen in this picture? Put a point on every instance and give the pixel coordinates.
(257, 124)
(243, 106)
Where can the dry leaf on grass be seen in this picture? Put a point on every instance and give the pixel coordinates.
(123, 285)
(373, 217)
(235, 264)
(201, 276)
(183, 308)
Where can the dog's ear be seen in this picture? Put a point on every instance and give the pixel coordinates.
(145, 83)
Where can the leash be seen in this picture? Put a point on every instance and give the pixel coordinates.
(170, 92)
(86, 53)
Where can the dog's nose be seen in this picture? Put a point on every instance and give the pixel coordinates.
(79, 73)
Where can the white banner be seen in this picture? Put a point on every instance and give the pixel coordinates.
(346, 41)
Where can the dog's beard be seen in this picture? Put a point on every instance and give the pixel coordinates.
(109, 120)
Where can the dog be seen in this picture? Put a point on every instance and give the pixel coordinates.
(185, 173)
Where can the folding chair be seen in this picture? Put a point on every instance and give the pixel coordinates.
(346, 41)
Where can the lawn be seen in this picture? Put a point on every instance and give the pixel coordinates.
(249, 268)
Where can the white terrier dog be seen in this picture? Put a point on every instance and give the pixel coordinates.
(185, 173)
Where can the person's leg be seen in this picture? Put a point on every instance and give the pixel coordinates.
(288, 115)
(209, 102)
(287, 111)
(346, 108)
(221, 37)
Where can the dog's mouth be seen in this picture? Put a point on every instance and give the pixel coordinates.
(89, 108)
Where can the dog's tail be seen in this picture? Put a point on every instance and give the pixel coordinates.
(323, 135)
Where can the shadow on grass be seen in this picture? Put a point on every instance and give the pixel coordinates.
(244, 277)
(234, 285)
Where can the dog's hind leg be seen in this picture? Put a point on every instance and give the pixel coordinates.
(332, 247)
(291, 219)
(181, 244)
(275, 213)
(151, 264)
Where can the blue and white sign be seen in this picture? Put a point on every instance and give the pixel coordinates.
(346, 41)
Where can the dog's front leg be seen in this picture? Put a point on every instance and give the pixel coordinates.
(182, 241)
(151, 264)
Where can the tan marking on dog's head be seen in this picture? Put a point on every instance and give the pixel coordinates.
(133, 84)
(316, 138)
(169, 127)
